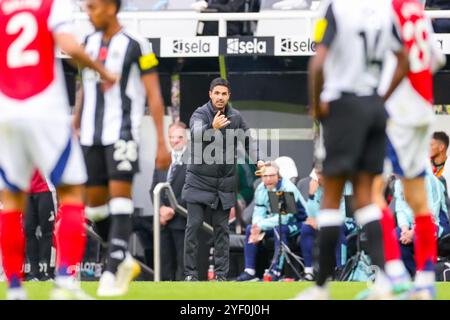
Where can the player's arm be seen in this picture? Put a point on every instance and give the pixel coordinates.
(156, 108)
(315, 81)
(69, 45)
(324, 34)
(401, 53)
(78, 108)
(147, 62)
(401, 70)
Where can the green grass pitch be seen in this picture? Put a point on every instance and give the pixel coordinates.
(215, 290)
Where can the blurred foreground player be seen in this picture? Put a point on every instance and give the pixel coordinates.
(353, 36)
(409, 135)
(109, 135)
(35, 133)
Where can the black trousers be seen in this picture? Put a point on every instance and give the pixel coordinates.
(172, 254)
(40, 212)
(219, 220)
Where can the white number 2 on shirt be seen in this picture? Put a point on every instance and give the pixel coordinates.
(18, 56)
(419, 53)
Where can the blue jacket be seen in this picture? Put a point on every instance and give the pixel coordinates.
(436, 202)
(313, 204)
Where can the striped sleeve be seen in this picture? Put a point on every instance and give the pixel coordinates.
(326, 28)
(144, 55)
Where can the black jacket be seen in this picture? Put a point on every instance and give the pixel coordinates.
(207, 183)
(177, 183)
(234, 28)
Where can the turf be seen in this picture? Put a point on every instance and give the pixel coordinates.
(215, 290)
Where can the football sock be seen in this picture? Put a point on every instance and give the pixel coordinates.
(329, 222)
(12, 242)
(70, 238)
(425, 243)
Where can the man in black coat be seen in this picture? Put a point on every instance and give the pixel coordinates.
(173, 224)
(210, 177)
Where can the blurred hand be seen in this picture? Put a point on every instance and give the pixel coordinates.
(220, 121)
(199, 5)
(108, 80)
(232, 214)
(163, 157)
(76, 123)
(406, 236)
(260, 168)
(313, 185)
(312, 222)
(320, 111)
(254, 234)
(165, 214)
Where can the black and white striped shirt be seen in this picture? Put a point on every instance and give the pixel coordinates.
(358, 34)
(116, 113)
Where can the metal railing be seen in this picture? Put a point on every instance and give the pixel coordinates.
(134, 19)
(157, 228)
(95, 236)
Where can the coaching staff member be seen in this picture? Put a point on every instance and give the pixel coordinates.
(210, 177)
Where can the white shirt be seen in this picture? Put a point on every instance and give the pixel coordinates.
(358, 33)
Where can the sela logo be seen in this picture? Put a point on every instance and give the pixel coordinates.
(290, 45)
(181, 46)
(239, 46)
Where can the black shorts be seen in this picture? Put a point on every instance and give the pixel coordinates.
(114, 162)
(354, 135)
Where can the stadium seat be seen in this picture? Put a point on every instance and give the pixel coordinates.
(444, 246)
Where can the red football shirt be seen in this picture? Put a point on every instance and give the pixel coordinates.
(414, 32)
(38, 183)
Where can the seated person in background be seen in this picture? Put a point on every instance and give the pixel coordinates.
(405, 218)
(308, 230)
(173, 224)
(438, 156)
(265, 223)
(303, 183)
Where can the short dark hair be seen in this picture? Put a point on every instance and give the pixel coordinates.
(219, 82)
(117, 3)
(441, 136)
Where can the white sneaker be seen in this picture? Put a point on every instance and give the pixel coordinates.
(68, 288)
(107, 285)
(291, 4)
(16, 294)
(127, 271)
(380, 289)
(424, 293)
(313, 293)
